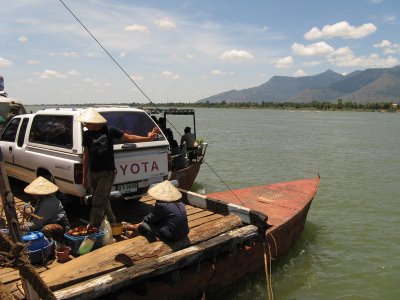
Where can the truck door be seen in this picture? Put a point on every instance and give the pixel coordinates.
(8, 139)
(20, 155)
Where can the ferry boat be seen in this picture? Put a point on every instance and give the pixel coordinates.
(232, 234)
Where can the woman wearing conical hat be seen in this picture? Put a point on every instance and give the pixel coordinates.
(52, 217)
(168, 220)
(98, 161)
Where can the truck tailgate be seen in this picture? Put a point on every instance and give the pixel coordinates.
(134, 166)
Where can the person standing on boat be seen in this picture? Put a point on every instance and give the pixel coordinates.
(168, 219)
(189, 140)
(48, 214)
(98, 161)
(162, 122)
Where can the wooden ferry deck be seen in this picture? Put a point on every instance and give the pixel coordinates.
(131, 211)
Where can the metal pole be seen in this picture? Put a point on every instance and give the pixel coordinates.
(8, 203)
(194, 125)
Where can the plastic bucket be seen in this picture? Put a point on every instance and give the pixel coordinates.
(116, 229)
(34, 239)
(63, 253)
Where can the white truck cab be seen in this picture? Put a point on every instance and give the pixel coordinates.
(48, 143)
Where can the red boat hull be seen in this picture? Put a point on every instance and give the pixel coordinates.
(187, 176)
(286, 204)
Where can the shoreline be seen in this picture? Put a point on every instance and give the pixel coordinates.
(219, 106)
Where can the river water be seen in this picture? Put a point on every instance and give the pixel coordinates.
(350, 247)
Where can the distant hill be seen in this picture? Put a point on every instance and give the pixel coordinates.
(371, 85)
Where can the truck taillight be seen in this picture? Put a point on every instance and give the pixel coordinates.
(78, 173)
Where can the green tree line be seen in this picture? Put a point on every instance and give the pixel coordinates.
(314, 105)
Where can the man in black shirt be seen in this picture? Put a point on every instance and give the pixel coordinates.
(98, 161)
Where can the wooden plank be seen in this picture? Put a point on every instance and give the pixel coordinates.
(142, 270)
(199, 215)
(16, 289)
(9, 276)
(204, 220)
(12, 286)
(102, 261)
(196, 235)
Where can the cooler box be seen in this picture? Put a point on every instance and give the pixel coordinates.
(75, 241)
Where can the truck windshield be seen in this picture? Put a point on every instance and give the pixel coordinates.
(131, 122)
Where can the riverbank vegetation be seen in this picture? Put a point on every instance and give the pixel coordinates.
(314, 105)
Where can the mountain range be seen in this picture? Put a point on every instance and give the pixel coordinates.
(370, 85)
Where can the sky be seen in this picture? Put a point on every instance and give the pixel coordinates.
(184, 51)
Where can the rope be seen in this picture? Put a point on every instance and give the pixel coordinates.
(267, 268)
(138, 87)
(276, 246)
(115, 61)
(16, 256)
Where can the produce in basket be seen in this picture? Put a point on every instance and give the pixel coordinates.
(82, 230)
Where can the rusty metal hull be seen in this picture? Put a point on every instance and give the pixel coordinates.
(216, 264)
(286, 204)
(187, 176)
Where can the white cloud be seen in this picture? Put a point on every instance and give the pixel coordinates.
(33, 62)
(265, 28)
(122, 54)
(376, 1)
(73, 73)
(344, 57)
(22, 39)
(391, 50)
(390, 19)
(343, 51)
(5, 62)
(136, 28)
(320, 48)
(165, 24)
(236, 55)
(299, 73)
(65, 54)
(48, 74)
(313, 63)
(136, 77)
(341, 29)
(219, 72)
(169, 75)
(388, 47)
(383, 44)
(285, 62)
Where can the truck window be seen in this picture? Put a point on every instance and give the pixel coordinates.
(132, 122)
(52, 130)
(10, 132)
(22, 131)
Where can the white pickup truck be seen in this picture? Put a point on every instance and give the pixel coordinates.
(48, 143)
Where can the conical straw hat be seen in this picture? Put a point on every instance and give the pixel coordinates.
(165, 191)
(90, 115)
(41, 186)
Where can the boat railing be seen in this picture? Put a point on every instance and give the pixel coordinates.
(201, 149)
(248, 216)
